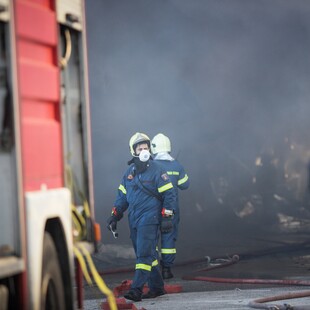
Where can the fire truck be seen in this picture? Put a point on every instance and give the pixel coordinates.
(47, 209)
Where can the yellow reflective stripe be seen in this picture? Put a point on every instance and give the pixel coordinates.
(168, 251)
(173, 172)
(165, 187)
(183, 180)
(155, 263)
(122, 189)
(144, 267)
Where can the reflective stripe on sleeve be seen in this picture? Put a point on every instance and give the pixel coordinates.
(165, 187)
(155, 263)
(173, 172)
(122, 189)
(183, 180)
(168, 251)
(143, 267)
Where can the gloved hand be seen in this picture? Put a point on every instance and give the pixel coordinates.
(166, 225)
(113, 219)
(112, 223)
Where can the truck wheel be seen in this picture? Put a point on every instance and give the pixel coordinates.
(52, 288)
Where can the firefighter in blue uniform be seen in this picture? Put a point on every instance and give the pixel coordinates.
(148, 194)
(161, 148)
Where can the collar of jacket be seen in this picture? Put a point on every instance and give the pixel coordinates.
(164, 156)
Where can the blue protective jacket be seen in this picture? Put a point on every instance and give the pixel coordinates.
(177, 175)
(144, 208)
(180, 180)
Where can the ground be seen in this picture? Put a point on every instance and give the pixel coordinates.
(287, 259)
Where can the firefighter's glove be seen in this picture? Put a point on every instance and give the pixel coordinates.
(166, 221)
(166, 225)
(112, 223)
(113, 219)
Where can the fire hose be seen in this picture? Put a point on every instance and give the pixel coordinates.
(258, 303)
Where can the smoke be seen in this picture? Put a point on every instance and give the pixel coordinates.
(227, 81)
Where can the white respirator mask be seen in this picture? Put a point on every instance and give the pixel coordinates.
(144, 155)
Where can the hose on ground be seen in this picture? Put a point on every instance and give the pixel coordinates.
(248, 281)
(258, 303)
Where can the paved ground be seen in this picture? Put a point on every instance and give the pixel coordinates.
(287, 263)
(222, 300)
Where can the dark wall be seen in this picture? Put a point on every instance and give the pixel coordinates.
(228, 82)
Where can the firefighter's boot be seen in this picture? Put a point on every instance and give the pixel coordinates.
(166, 273)
(154, 293)
(133, 295)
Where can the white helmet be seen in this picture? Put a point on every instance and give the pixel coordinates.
(160, 143)
(136, 139)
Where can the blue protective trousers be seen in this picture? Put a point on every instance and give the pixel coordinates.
(144, 240)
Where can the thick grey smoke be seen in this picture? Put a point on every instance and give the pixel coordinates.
(228, 82)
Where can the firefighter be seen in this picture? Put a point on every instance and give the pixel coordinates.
(161, 148)
(148, 194)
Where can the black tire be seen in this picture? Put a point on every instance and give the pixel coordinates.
(52, 288)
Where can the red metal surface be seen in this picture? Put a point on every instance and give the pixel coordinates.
(36, 21)
(38, 81)
(39, 93)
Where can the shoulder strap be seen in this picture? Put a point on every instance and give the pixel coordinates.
(148, 191)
